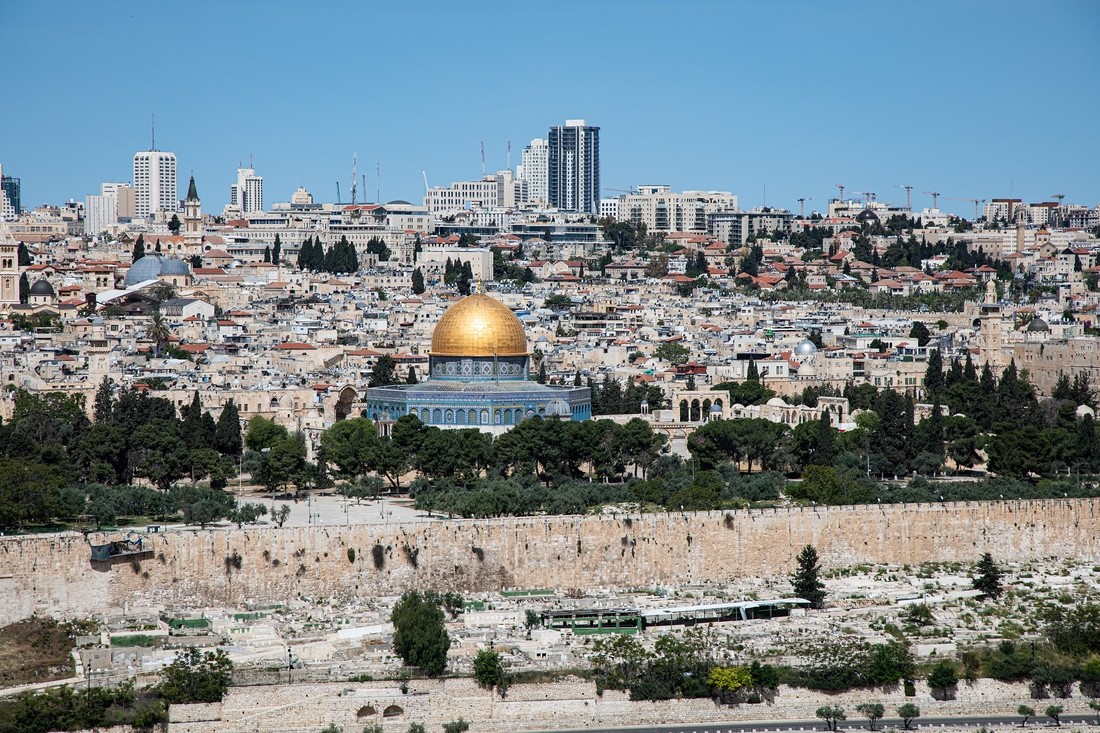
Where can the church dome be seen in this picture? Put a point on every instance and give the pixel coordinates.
(479, 326)
(147, 268)
(1037, 324)
(42, 287)
(172, 266)
(152, 267)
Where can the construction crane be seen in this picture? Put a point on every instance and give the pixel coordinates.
(976, 202)
(868, 196)
(935, 198)
(1058, 196)
(354, 176)
(426, 189)
(908, 191)
(621, 190)
(841, 187)
(801, 206)
(337, 192)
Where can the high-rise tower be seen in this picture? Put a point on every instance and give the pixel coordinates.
(154, 183)
(573, 167)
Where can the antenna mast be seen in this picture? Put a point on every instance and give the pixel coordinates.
(509, 155)
(377, 182)
(153, 128)
(482, 158)
(354, 176)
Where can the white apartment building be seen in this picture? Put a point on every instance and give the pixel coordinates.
(155, 183)
(500, 190)
(103, 210)
(246, 196)
(661, 210)
(609, 208)
(534, 170)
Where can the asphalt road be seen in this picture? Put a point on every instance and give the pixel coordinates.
(991, 722)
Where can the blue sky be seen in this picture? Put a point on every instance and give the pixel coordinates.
(972, 99)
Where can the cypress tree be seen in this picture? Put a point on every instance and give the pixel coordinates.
(24, 288)
(805, 579)
(267, 254)
(139, 248)
(277, 251)
(227, 439)
(989, 577)
(418, 281)
(933, 374)
(304, 254)
(104, 401)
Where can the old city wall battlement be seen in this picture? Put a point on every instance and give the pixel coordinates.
(53, 574)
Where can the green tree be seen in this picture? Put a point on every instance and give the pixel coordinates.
(158, 330)
(351, 445)
(384, 372)
(872, 711)
(196, 677)
(227, 435)
(456, 726)
(263, 433)
(672, 352)
(1026, 712)
(488, 671)
(277, 251)
(139, 248)
(1054, 712)
(24, 289)
(174, 224)
(908, 712)
(943, 676)
(988, 580)
(933, 374)
(920, 332)
(418, 282)
(420, 637)
(832, 715)
(104, 401)
(805, 579)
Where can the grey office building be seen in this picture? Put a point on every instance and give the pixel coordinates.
(573, 167)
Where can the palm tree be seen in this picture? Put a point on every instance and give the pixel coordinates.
(158, 330)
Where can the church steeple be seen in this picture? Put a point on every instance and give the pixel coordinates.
(192, 221)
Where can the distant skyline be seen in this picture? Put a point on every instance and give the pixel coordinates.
(973, 99)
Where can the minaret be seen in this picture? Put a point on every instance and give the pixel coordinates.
(990, 335)
(192, 221)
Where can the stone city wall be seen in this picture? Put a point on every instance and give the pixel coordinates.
(53, 574)
(306, 708)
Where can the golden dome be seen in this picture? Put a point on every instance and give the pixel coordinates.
(479, 325)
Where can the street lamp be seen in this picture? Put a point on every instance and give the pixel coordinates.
(289, 664)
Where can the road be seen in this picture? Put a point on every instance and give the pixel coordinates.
(855, 724)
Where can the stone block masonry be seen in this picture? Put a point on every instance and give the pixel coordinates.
(53, 574)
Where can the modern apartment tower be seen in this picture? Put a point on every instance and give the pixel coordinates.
(155, 183)
(10, 207)
(533, 170)
(573, 167)
(247, 194)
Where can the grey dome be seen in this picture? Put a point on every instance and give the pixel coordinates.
(147, 268)
(172, 266)
(1037, 324)
(42, 287)
(151, 267)
(805, 348)
(558, 407)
